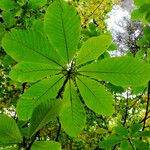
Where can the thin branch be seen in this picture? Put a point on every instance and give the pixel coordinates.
(146, 113)
(126, 113)
(59, 129)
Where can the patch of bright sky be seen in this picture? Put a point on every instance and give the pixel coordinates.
(116, 21)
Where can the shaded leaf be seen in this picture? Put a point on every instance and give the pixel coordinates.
(46, 145)
(125, 145)
(110, 141)
(140, 145)
(122, 131)
(47, 111)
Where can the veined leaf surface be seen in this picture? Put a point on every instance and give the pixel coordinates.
(95, 96)
(9, 131)
(47, 111)
(73, 115)
(122, 71)
(63, 28)
(41, 91)
(93, 48)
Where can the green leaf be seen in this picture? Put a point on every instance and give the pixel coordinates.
(37, 3)
(142, 133)
(30, 46)
(93, 48)
(31, 72)
(122, 71)
(41, 91)
(46, 145)
(95, 96)
(122, 131)
(63, 28)
(140, 145)
(135, 128)
(140, 3)
(8, 18)
(47, 111)
(9, 132)
(73, 116)
(7, 5)
(38, 25)
(125, 145)
(110, 142)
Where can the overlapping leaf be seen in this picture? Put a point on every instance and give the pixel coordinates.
(46, 111)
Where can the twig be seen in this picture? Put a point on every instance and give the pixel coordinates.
(126, 113)
(146, 113)
(59, 129)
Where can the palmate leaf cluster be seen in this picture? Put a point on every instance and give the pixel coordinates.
(65, 78)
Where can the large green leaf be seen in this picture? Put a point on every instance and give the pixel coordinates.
(31, 72)
(121, 131)
(140, 3)
(73, 115)
(9, 132)
(47, 111)
(140, 145)
(93, 48)
(62, 25)
(7, 5)
(46, 145)
(30, 46)
(110, 141)
(95, 96)
(41, 91)
(123, 71)
(125, 145)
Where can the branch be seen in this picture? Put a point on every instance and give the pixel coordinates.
(126, 113)
(146, 113)
(58, 132)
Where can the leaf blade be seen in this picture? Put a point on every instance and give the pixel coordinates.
(95, 96)
(122, 71)
(93, 48)
(65, 33)
(73, 116)
(43, 90)
(9, 131)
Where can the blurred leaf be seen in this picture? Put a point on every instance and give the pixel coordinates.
(110, 141)
(46, 145)
(9, 131)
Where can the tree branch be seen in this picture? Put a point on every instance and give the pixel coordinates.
(146, 113)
